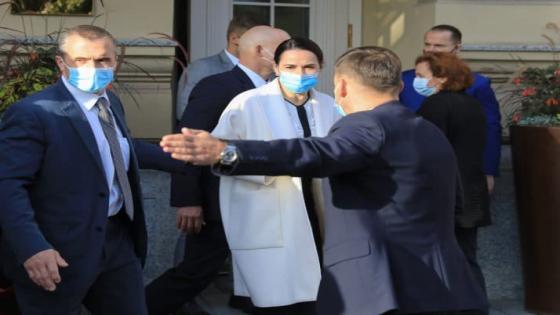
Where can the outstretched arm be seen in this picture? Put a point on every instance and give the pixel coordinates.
(348, 147)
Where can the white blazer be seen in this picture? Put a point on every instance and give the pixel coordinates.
(264, 217)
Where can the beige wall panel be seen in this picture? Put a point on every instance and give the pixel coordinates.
(499, 22)
(398, 25)
(126, 20)
(151, 117)
(123, 18)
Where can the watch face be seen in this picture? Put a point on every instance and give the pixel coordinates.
(229, 156)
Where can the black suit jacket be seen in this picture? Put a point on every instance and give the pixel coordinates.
(53, 188)
(51, 175)
(389, 232)
(462, 120)
(207, 101)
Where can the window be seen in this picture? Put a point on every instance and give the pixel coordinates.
(289, 15)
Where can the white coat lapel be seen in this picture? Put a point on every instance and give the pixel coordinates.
(323, 113)
(281, 126)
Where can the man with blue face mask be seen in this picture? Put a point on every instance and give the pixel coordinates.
(72, 219)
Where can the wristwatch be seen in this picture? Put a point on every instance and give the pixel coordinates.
(229, 155)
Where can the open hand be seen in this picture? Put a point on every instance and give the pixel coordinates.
(195, 146)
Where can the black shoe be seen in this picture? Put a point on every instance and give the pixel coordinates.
(242, 303)
(191, 308)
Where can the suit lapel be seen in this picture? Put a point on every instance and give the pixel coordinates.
(323, 113)
(279, 120)
(224, 59)
(78, 119)
(243, 78)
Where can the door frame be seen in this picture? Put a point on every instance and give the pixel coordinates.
(329, 28)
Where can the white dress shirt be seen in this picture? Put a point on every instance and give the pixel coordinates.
(87, 103)
(257, 80)
(232, 58)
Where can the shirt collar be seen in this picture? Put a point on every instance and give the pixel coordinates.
(86, 100)
(257, 80)
(232, 58)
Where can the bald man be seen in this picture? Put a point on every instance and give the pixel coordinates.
(196, 195)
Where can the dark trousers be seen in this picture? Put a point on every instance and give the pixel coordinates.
(468, 242)
(205, 254)
(304, 308)
(115, 289)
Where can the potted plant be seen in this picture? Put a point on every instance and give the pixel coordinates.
(535, 145)
(25, 70)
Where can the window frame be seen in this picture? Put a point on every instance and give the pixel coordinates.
(273, 4)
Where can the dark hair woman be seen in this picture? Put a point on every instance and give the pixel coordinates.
(443, 78)
(272, 223)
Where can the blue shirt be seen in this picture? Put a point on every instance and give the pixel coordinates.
(482, 91)
(87, 103)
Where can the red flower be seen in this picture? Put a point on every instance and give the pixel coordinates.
(529, 91)
(516, 117)
(517, 81)
(33, 56)
(551, 101)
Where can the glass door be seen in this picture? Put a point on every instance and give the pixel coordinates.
(289, 15)
(324, 21)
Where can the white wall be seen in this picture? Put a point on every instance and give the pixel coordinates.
(126, 20)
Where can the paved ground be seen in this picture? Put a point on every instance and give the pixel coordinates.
(214, 300)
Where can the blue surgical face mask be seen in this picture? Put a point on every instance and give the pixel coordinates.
(421, 86)
(90, 80)
(298, 83)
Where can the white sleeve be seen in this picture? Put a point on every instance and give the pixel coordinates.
(232, 126)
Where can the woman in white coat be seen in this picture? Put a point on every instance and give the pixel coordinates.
(272, 224)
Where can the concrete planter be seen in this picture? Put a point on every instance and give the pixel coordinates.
(536, 168)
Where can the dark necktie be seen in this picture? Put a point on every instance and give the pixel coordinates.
(108, 126)
(307, 188)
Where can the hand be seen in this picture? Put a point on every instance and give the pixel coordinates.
(195, 146)
(42, 268)
(490, 183)
(190, 219)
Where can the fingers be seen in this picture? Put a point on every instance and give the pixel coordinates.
(52, 269)
(60, 261)
(45, 279)
(182, 223)
(190, 226)
(40, 274)
(42, 268)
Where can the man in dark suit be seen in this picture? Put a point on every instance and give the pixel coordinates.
(218, 63)
(71, 215)
(389, 240)
(197, 194)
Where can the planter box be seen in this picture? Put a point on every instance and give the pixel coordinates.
(536, 167)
